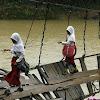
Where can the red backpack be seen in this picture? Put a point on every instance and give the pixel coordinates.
(69, 51)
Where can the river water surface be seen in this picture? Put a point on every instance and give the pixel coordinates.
(51, 51)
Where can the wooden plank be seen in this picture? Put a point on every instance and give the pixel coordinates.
(37, 97)
(54, 68)
(74, 76)
(57, 99)
(83, 66)
(47, 95)
(2, 91)
(1, 78)
(79, 91)
(5, 71)
(35, 81)
(98, 61)
(63, 93)
(42, 73)
(23, 82)
(57, 68)
(53, 71)
(50, 70)
(62, 66)
(26, 98)
(2, 73)
(36, 89)
(73, 92)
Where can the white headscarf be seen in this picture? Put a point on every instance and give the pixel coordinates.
(19, 47)
(72, 36)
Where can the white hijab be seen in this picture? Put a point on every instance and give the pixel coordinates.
(72, 36)
(19, 47)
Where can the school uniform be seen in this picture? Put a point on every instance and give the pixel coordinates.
(70, 41)
(13, 77)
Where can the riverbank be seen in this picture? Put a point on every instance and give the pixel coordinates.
(28, 11)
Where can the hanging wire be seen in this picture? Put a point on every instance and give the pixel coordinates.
(31, 26)
(69, 17)
(68, 25)
(43, 33)
(99, 26)
(85, 32)
(68, 6)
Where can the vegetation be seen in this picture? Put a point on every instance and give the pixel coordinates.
(25, 9)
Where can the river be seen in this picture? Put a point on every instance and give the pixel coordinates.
(51, 51)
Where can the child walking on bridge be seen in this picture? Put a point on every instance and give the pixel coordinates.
(69, 49)
(13, 77)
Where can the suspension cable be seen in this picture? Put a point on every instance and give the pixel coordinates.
(69, 17)
(99, 26)
(84, 32)
(47, 10)
(31, 26)
(67, 6)
(68, 25)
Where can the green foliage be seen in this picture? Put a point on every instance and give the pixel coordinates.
(24, 9)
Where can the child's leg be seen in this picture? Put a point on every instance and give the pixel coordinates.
(65, 71)
(76, 69)
(66, 68)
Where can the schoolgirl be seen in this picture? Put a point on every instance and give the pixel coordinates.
(13, 77)
(70, 41)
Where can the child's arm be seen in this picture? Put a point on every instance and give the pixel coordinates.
(63, 43)
(20, 57)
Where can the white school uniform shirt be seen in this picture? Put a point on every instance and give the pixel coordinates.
(18, 49)
(70, 37)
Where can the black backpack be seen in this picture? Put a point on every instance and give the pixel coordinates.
(23, 66)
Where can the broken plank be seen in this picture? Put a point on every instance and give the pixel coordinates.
(36, 89)
(74, 76)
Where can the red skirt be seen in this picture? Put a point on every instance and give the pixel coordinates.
(70, 60)
(13, 77)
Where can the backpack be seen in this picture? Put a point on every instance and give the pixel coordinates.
(23, 66)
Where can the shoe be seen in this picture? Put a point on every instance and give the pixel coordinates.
(7, 92)
(20, 89)
(64, 73)
(26, 72)
(75, 71)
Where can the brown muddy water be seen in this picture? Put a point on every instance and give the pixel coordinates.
(52, 51)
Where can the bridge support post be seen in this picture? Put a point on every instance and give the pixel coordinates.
(83, 66)
(98, 61)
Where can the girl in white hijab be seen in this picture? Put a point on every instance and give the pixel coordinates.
(18, 47)
(18, 53)
(70, 41)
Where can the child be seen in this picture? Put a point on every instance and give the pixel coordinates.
(18, 54)
(70, 41)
